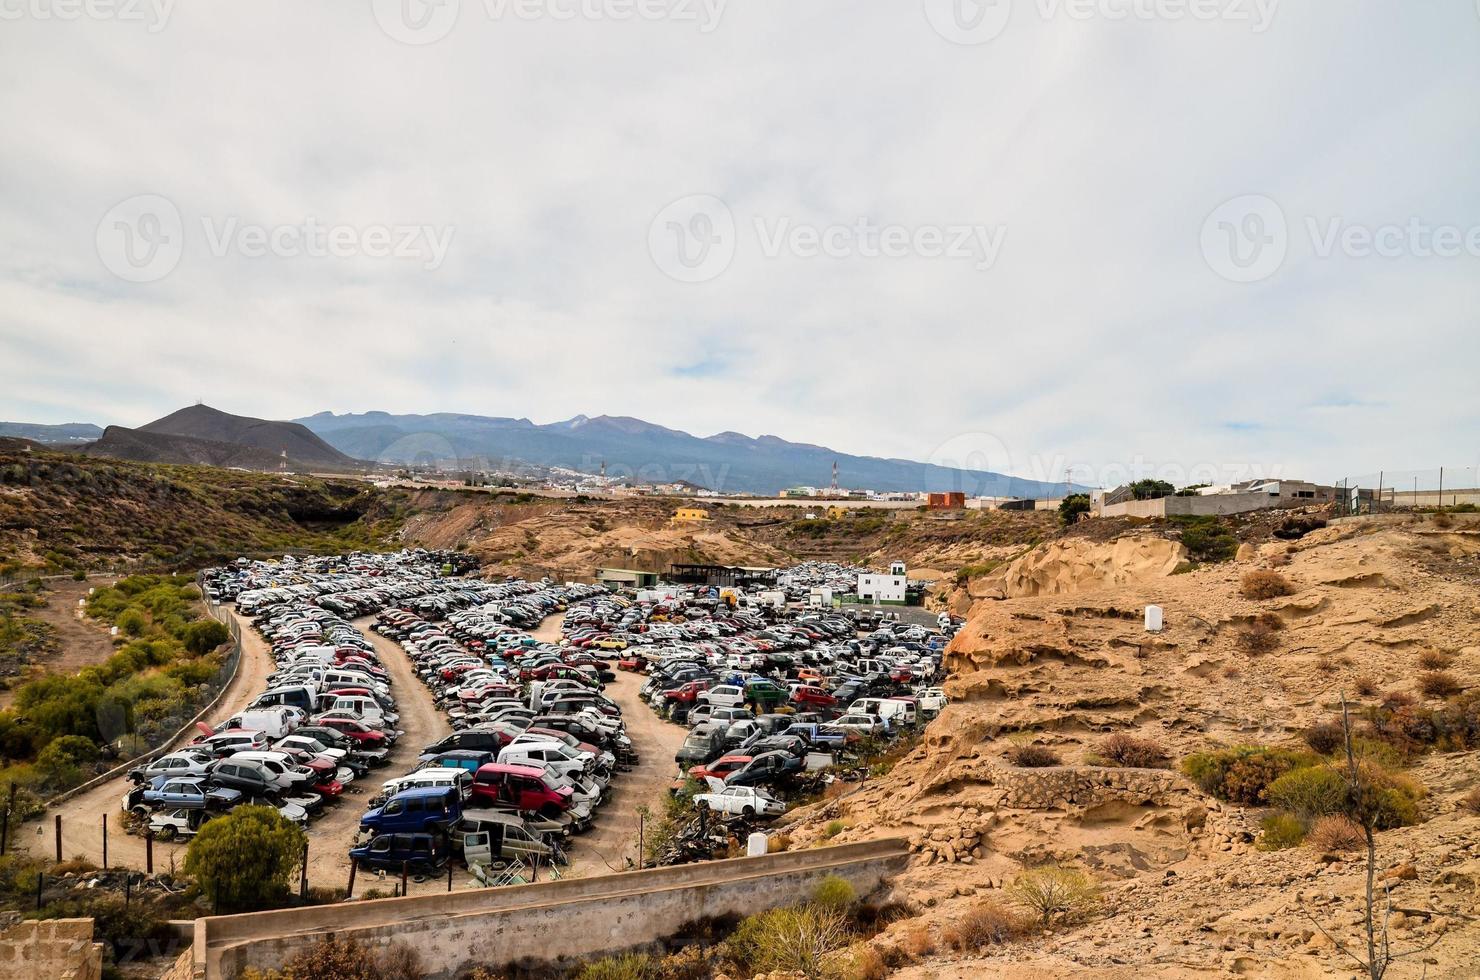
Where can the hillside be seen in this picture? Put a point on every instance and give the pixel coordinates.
(726, 461)
(1187, 888)
(277, 440)
(62, 511)
(67, 433)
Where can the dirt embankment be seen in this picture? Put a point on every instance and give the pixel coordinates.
(1186, 891)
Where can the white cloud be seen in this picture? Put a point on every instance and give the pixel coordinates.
(549, 146)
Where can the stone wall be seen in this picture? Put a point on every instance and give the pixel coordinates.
(50, 949)
(558, 923)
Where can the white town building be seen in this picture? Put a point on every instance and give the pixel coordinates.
(884, 589)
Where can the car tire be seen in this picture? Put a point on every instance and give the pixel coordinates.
(747, 812)
(166, 833)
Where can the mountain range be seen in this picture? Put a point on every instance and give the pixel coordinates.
(628, 448)
(632, 448)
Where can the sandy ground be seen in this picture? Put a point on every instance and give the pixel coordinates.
(611, 843)
(81, 642)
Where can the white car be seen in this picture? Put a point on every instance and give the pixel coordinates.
(931, 701)
(723, 696)
(739, 801)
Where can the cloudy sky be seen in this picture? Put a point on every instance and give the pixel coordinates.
(1239, 233)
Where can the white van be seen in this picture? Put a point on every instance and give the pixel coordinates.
(894, 713)
(368, 708)
(353, 677)
(274, 722)
(432, 776)
(286, 773)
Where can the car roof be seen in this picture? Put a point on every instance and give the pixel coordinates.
(417, 792)
(513, 770)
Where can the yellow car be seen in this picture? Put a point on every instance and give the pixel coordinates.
(611, 644)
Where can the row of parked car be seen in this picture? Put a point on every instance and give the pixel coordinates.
(768, 692)
(534, 751)
(326, 718)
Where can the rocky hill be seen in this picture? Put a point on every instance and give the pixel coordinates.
(61, 511)
(1018, 773)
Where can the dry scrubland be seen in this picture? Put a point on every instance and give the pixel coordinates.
(1059, 695)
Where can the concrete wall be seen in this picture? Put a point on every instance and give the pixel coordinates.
(51, 949)
(1201, 506)
(556, 922)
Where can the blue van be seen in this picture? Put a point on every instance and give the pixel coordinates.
(419, 852)
(423, 810)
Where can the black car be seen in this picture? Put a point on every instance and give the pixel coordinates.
(770, 767)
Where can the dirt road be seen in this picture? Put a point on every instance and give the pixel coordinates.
(82, 816)
(612, 840)
(81, 642)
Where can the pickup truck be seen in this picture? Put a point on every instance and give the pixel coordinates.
(823, 735)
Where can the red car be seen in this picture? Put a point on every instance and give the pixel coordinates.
(719, 768)
(686, 692)
(522, 787)
(813, 697)
(366, 736)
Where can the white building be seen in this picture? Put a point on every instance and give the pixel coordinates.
(887, 589)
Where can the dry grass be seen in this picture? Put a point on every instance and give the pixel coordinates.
(1325, 664)
(1033, 756)
(866, 963)
(1366, 686)
(1265, 585)
(986, 924)
(1434, 660)
(918, 942)
(1471, 801)
(1258, 639)
(1335, 835)
(1439, 684)
(1130, 752)
(1325, 737)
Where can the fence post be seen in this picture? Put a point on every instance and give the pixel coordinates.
(349, 889)
(303, 882)
(105, 842)
(148, 851)
(59, 837)
(405, 878)
(5, 821)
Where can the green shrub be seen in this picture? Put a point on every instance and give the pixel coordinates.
(215, 857)
(629, 966)
(204, 636)
(1242, 774)
(834, 892)
(795, 939)
(1315, 791)
(1280, 831)
(834, 828)
(1052, 894)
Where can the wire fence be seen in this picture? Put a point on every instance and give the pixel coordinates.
(1388, 490)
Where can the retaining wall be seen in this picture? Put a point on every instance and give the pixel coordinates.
(550, 922)
(52, 949)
